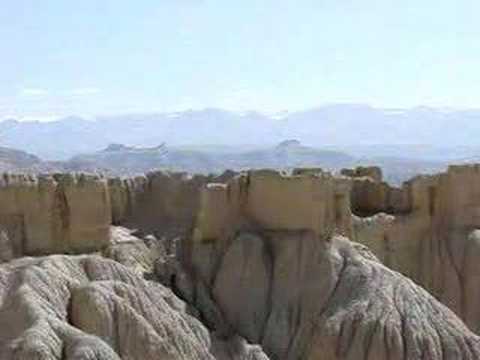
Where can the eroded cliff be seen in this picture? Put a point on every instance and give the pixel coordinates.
(53, 214)
(266, 261)
(428, 231)
(260, 258)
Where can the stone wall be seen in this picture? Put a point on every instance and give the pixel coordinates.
(67, 213)
(371, 195)
(265, 261)
(435, 242)
(267, 200)
(163, 203)
(427, 229)
(54, 214)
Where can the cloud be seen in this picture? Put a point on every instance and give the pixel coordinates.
(33, 92)
(84, 91)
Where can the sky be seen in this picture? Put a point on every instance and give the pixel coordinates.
(91, 57)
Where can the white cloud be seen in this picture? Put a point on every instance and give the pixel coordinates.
(84, 91)
(33, 92)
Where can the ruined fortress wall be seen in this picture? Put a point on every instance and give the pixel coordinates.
(48, 214)
(435, 242)
(163, 203)
(426, 229)
(72, 213)
(26, 209)
(87, 218)
(267, 201)
(306, 202)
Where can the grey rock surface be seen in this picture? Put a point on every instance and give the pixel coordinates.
(89, 307)
(327, 300)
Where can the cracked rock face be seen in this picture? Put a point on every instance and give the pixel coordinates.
(89, 307)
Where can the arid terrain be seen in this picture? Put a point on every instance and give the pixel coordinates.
(253, 265)
(239, 180)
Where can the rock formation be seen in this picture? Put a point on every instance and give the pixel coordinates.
(266, 262)
(428, 231)
(63, 213)
(54, 214)
(259, 258)
(88, 307)
(162, 203)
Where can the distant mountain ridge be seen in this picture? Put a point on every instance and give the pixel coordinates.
(334, 126)
(17, 160)
(122, 160)
(118, 159)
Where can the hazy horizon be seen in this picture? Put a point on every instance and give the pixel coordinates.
(272, 114)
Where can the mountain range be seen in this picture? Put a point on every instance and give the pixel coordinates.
(421, 132)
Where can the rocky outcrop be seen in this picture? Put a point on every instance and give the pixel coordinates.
(265, 261)
(268, 200)
(88, 307)
(137, 253)
(430, 233)
(426, 229)
(54, 214)
(163, 203)
(261, 258)
(72, 213)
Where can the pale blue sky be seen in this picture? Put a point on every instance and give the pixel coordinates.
(101, 57)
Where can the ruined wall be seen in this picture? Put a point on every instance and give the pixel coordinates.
(266, 200)
(123, 195)
(163, 203)
(83, 204)
(371, 195)
(48, 214)
(67, 213)
(427, 229)
(435, 242)
(265, 261)
(257, 252)
(372, 172)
